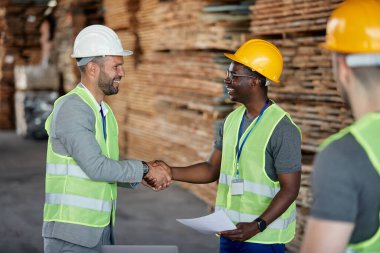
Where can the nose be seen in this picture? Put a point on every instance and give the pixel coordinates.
(227, 81)
(121, 72)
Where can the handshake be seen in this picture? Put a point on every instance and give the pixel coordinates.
(159, 175)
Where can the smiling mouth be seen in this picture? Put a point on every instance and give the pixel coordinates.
(229, 90)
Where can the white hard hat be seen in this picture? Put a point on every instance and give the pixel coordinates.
(98, 40)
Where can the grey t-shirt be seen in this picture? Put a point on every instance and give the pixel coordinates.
(346, 187)
(283, 152)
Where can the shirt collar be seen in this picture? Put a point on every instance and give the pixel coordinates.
(102, 104)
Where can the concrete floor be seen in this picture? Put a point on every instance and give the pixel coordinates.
(143, 216)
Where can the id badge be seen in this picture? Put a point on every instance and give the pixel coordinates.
(237, 186)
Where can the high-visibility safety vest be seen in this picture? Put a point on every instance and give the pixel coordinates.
(259, 189)
(70, 195)
(365, 131)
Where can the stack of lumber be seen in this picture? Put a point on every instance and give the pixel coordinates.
(281, 17)
(303, 201)
(5, 77)
(71, 17)
(119, 14)
(63, 45)
(178, 98)
(147, 27)
(189, 24)
(19, 43)
(24, 37)
(317, 120)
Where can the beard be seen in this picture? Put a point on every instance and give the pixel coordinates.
(106, 84)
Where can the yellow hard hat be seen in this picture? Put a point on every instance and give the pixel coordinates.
(354, 27)
(260, 56)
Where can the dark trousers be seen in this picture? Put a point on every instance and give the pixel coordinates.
(228, 246)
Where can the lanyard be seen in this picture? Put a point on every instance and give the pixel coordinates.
(238, 152)
(104, 123)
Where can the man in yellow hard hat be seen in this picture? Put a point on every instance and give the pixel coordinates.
(256, 157)
(346, 181)
(82, 165)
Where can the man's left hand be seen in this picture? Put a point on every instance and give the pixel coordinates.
(243, 232)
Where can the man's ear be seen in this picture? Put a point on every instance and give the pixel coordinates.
(344, 71)
(92, 68)
(255, 82)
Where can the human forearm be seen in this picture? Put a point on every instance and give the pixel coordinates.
(279, 205)
(289, 188)
(200, 173)
(326, 236)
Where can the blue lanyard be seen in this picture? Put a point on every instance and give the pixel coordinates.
(104, 123)
(246, 137)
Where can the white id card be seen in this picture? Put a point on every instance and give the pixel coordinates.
(237, 186)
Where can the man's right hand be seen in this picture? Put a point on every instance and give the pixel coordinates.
(159, 176)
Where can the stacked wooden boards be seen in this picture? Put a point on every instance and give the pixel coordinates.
(5, 77)
(175, 92)
(19, 45)
(71, 16)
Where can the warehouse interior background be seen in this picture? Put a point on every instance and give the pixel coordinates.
(172, 99)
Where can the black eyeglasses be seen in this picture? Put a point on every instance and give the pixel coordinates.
(232, 76)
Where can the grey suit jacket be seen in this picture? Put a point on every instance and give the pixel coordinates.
(72, 133)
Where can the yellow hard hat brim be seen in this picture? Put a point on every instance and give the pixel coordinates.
(231, 57)
(234, 58)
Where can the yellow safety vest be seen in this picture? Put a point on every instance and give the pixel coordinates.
(70, 195)
(259, 189)
(366, 133)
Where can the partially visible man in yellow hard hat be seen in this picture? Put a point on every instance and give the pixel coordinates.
(256, 157)
(346, 181)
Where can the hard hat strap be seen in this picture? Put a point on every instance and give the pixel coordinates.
(83, 61)
(363, 60)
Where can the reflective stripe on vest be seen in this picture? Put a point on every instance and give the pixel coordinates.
(252, 187)
(65, 169)
(241, 217)
(78, 201)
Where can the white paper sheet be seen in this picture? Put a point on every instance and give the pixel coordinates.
(210, 224)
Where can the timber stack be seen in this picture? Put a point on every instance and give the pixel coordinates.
(19, 45)
(176, 93)
(72, 16)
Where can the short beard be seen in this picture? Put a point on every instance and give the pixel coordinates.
(106, 84)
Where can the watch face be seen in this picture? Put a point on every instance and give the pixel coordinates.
(261, 224)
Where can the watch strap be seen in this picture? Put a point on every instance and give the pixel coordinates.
(145, 168)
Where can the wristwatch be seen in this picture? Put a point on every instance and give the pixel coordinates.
(261, 224)
(145, 168)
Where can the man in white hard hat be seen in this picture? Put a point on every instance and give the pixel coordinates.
(346, 181)
(83, 168)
